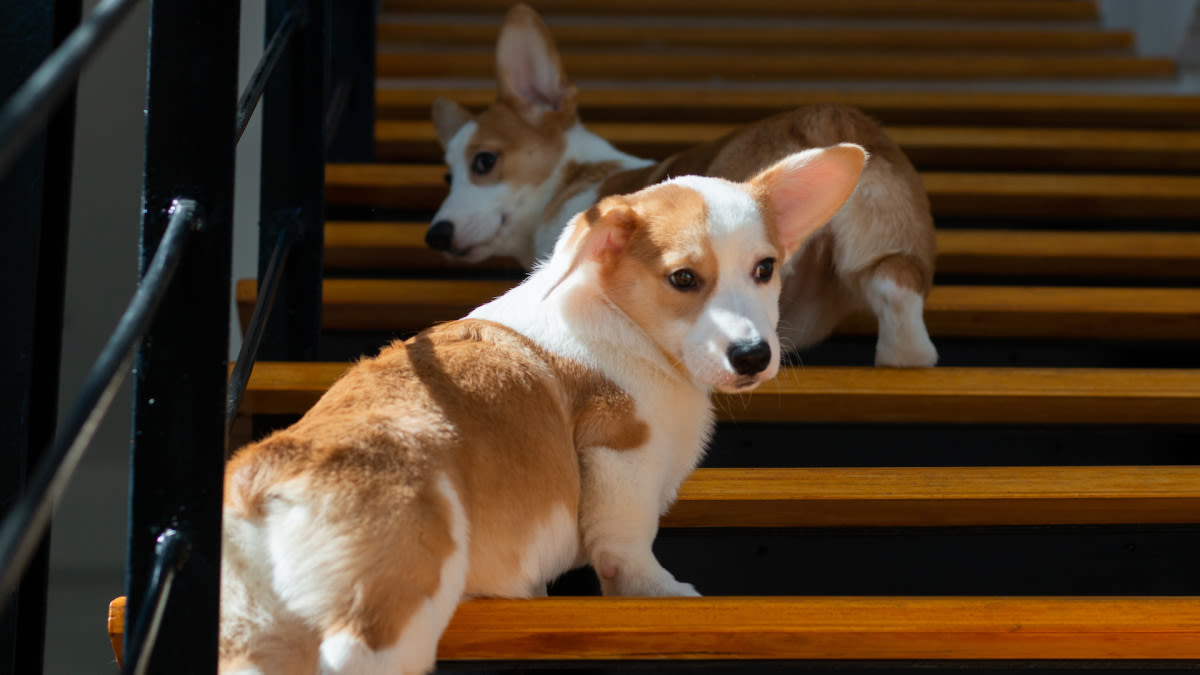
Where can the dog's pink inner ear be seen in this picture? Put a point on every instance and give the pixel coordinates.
(608, 232)
(528, 66)
(803, 191)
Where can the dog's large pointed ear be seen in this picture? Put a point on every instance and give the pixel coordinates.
(803, 191)
(448, 118)
(529, 70)
(598, 235)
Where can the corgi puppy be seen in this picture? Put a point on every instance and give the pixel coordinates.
(521, 168)
(549, 429)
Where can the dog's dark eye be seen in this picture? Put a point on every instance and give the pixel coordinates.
(483, 162)
(449, 177)
(764, 270)
(684, 279)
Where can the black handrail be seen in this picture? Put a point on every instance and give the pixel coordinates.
(30, 106)
(30, 516)
(268, 289)
(171, 551)
(295, 18)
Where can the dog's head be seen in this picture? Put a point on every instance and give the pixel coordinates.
(500, 162)
(695, 262)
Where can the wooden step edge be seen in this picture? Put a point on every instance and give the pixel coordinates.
(815, 65)
(116, 629)
(1052, 312)
(979, 10)
(952, 194)
(928, 147)
(938, 496)
(400, 246)
(730, 104)
(874, 395)
(822, 627)
(408, 30)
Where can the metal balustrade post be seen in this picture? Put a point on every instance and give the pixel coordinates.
(351, 129)
(179, 414)
(293, 180)
(34, 212)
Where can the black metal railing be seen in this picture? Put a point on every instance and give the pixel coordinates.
(178, 318)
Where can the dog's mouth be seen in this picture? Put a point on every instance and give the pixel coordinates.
(740, 385)
(481, 250)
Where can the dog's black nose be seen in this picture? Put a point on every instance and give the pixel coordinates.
(748, 358)
(440, 235)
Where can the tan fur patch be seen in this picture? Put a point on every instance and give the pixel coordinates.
(674, 237)
(526, 154)
(472, 400)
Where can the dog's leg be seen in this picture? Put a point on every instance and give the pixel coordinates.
(892, 289)
(619, 510)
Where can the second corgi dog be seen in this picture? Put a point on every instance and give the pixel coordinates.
(548, 430)
(520, 169)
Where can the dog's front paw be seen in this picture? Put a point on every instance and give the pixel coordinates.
(677, 589)
(909, 351)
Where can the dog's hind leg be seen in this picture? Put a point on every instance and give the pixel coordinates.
(893, 291)
(396, 625)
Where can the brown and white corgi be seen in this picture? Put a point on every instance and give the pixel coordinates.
(520, 169)
(548, 430)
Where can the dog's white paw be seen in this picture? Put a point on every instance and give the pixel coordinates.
(678, 589)
(921, 354)
(909, 351)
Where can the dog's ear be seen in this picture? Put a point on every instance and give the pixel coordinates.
(599, 235)
(529, 70)
(448, 118)
(803, 191)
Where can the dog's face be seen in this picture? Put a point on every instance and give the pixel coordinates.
(501, 161)
(695, 262)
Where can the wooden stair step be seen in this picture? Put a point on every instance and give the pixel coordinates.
(700, 103)
(952, 195)
(938, 496)
(1151, 255)
(412, 30)
(928, 147)
(823, 65)
(1006, 10)
(884, 395)
(825, 628)
(815, 628)
(403, 305)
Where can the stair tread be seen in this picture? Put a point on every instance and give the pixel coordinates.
(823, 65)
(926, 146)
(862, 394)
(1007, 10)
(408, 30)
(401, 246)
(937, 496)
(950, 311)
(952, 194)
(817, 627)
(697, 103)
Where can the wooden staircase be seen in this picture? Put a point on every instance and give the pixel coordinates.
(1032, 500)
